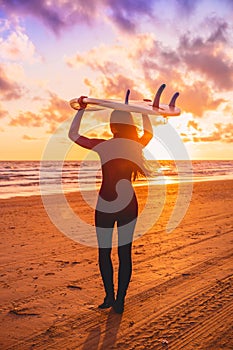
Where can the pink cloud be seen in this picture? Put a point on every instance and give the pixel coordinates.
(113, 86)
(205, 58)
(126, 13)
(16, 46)
(60, 15)
(9, 89)
(209, 56)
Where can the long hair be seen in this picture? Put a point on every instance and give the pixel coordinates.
(122, 125)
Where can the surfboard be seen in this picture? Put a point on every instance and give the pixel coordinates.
(145, 106)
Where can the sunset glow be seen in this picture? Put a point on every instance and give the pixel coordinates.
(53, 51)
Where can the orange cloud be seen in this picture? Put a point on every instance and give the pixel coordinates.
(198, 98)
(29, 138)
(26, 119)
(185, 138)
(57, 109)
(222, 132)
(194, 125)
(51, 116)
(3, 112)
(226, 132)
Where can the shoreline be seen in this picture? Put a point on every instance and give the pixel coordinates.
(152, 183)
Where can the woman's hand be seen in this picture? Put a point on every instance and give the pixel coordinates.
(75, 125)
(82, 104)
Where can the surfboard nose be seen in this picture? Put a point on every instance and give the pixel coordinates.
(157, 96)
(172, 103)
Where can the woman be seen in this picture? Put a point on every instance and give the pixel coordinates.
(122, 162)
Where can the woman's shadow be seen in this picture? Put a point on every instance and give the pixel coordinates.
(110, 334)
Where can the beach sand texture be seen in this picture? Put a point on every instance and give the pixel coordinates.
(180, 296)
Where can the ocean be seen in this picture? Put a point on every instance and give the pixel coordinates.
(25, 178)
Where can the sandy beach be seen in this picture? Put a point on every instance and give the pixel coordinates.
(180, 296)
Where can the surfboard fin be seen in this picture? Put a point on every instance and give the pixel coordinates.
(127, 97)
(173, 100)
(157, 96)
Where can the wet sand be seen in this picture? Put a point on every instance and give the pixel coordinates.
(180, 296)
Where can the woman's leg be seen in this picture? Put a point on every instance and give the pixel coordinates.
(126, 224)
(106, 270)
(125, 238)
(125, 269)
(104, 237)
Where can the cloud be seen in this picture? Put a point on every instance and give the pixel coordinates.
(106, 134)
(60, 15)
(221, 133)
(217, 70)
(186, 138)
(198, 68)
(3, 113)
(195, 97)
(186, 7)
(115, 67)
(193, 125)
(27, 119)
(93, 135)
(126, 14)
(29, 138)
(48, 12)
(198, 98)
(151, 64)
(56, 111)
(114, 87)
(18, 47)
(9, 89)
(208, 56)
(104, 59)
(214, 137)
(226, 131)
(220, 30)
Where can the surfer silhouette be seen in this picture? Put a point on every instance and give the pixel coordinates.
(122, 162)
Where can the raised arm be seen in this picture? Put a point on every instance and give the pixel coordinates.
(74, 134)
(75, 126)
(147, 130)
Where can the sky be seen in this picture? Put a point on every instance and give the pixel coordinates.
(52, 51)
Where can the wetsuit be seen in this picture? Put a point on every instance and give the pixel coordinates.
(116, 203)
(113, 172)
